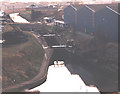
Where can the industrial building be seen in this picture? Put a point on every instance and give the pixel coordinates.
(81, 17)
(69, 15)
(94, 17)
(85, 19)
(107, 19)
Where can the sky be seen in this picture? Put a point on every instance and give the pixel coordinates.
(52, 0)
(30, 0)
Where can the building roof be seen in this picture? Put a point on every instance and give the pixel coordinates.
(115, 7)
(92, 7)
(17, 19)
(97, 7)
(77, 7)
(112, 10)
(58, 21)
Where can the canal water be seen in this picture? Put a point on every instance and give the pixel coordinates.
(91, 74)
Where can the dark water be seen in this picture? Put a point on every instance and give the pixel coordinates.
(51, 41)
(91, 73)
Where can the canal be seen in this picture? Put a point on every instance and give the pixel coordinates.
(92, 74)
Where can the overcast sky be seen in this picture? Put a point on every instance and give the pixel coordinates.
(51, 0)
(30, 0)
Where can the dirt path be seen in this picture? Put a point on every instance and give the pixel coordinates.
(38, 77)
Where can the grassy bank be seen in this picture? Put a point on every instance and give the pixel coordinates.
(21, 61)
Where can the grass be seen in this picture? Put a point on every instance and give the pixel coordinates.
(91, 47)
(8, 28)
(22, 61)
